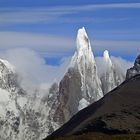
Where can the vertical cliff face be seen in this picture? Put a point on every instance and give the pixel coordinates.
(80, 86)
(69, 95)
(83, 60)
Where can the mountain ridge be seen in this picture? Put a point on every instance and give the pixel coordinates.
(33, 117)
(73, 127)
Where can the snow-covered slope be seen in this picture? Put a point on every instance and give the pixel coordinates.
(9, 90)
(22, 116)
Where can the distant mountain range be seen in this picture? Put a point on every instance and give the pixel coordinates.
(26, 116)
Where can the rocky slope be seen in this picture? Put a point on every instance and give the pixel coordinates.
(118, 112)
(135, 69)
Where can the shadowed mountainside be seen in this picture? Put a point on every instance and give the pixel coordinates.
(118, 112)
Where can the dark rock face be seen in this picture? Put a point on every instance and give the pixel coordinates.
(118, 112)
(69, 96)
(135, 69)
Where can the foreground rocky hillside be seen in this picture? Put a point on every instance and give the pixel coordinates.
(99, 136)
(118, 112)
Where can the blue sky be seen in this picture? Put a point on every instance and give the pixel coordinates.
(49, 26)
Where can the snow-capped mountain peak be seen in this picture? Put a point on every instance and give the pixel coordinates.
(9, 66)
(84, 61)
(81, 85)
(82, 39)
(107, 57)
(110, 76)
(83, 53)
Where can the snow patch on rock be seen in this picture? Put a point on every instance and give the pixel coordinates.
(82, 104)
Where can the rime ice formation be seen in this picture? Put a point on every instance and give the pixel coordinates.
(83, 61)
(110, 77)
(81, 82)
(107, 78)
(107, 58)
(81, 85)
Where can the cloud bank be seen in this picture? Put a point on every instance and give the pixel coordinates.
(32, 68)
(119, 63)
(34, 71)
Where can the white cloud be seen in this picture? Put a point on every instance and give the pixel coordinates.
(34, 72)
(121, 65)
(43, 15)
(29, 15)
(51, 44)
(32, 68)
(91, 19)
(116, 46)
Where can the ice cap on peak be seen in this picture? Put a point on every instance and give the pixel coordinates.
(82, 31)
(106, 54)
(106, 57)
(82, 39)
(83, 54)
